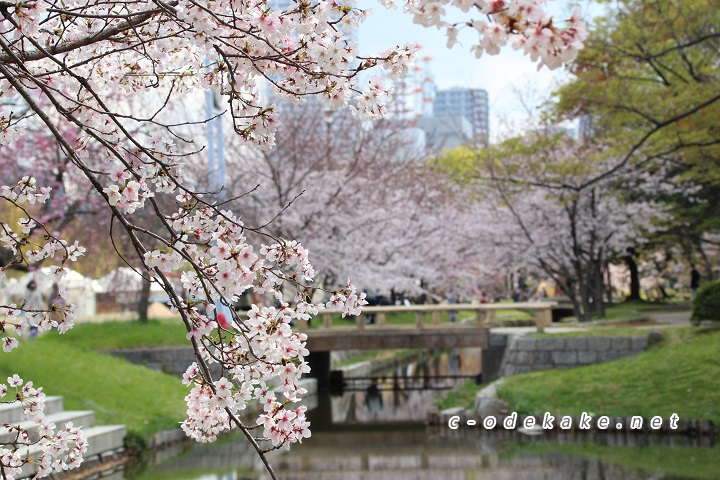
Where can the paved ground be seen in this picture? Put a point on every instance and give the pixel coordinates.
(524, 330)
(681, 318)
(663, 319)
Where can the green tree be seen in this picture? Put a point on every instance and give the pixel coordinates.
(647, 83)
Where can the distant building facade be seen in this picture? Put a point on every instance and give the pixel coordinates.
(471, 103)
(446, 132)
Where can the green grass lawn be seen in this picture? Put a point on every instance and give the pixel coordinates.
(118, 335)
(119, 392)
(462, 396)
(681, 376)
(408, 318)
(599, 331)
(642, 305)
(372, 355)
(633, 309)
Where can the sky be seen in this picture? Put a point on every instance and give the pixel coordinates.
(503, 76)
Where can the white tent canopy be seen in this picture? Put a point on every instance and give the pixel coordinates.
(79, 288)
(124, 279)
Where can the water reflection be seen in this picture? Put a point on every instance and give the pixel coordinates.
(416, 452)
(377, 432)
(400, 394)
(373, 400)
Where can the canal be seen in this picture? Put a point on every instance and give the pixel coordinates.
(376, 430)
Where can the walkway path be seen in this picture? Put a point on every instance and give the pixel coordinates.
(677, 318)
(664, 319)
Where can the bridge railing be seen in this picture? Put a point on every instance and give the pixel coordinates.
(484, 313)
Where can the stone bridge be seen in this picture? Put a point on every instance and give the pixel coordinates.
(425, 335)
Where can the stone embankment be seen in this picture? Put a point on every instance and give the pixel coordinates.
(525, 354)
(171, 360)
(509, 355)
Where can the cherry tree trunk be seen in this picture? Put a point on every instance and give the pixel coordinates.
(634, 275)
(144, 301)
(598, 289)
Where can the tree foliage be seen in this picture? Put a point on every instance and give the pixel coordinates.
(542, 214)
(647, 86)
(706, 304)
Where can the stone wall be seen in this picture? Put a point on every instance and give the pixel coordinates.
(526, 354)
(176, 360)
(492, 356)
(171, 360)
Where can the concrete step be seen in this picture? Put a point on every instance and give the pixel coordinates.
(81, 418)
(12, 412)
(101, 440)
(105, 438)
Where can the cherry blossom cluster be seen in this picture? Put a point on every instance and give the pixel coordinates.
(523, 23)
(221, 45)
(261, 350)
(348, 300)
(27, 246)
(44, 445)
(260, 355)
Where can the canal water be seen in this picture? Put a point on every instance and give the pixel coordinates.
(377, 431)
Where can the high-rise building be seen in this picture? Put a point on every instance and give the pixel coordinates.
(471, 103)
(443, 133)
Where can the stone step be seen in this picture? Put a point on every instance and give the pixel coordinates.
(12, 412)
(105, 438)
(102, 440)
(81, 418)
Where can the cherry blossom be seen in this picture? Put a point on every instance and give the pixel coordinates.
(522, 22)
(59, 449)
(565, 220)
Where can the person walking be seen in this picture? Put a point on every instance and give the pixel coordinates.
(33, 302)
(694, 280)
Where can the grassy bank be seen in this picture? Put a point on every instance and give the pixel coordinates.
(633, 310)
(374, 355)
(681, 375)
(462, 396)
(597, 331)
(118, 335)
(144, 400)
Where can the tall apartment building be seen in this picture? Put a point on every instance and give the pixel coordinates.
(471, 103)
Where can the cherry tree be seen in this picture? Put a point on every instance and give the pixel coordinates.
(541, 212)
(338, 183)
(65, 68)
(38, 155)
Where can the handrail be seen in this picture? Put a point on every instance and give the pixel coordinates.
(485, 313)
